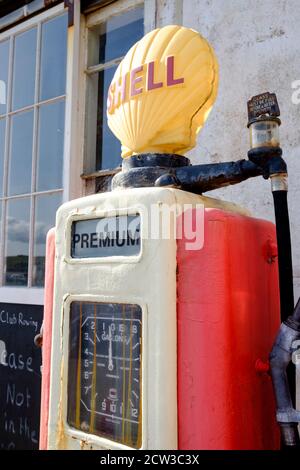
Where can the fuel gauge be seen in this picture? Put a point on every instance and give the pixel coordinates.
(104, 379)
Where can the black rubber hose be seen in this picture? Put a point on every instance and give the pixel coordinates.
(285, 266)
(289, 431)
(284, 254)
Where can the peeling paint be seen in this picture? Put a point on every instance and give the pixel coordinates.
(61, 442)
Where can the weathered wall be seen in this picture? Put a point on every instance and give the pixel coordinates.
(258, 48)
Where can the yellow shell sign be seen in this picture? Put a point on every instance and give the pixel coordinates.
(162, 92)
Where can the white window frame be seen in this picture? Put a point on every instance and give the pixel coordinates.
(93, 20)
(33, 295)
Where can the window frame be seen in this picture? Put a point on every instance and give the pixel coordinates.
(94, 19)
(29, 294)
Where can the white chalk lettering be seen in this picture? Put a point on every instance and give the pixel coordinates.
(12, 319)
(15, 362)
(17, 398)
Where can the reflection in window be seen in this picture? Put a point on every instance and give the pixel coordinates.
(17, 242)
(108, 149)
(21, 153)
(115, 36)
(37, 61)
(53, 60)
(4, 49)
(119, 33)
(51, 146)
(2, 140)
(24, 69)
(45, 209)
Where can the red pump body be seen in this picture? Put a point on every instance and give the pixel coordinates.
(228, 316)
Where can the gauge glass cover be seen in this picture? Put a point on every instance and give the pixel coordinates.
(104, 370)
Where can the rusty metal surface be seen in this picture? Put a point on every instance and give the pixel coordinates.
(175, 171)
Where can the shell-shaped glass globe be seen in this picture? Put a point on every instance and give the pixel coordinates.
(162, 92)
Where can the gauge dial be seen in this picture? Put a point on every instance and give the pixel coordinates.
(104, 379)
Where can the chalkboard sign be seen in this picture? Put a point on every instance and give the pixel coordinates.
(20, 376)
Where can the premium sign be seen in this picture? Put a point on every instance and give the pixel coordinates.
(107, 236)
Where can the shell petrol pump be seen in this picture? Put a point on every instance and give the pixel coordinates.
(162, 305)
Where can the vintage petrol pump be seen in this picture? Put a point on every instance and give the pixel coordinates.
(162, 305)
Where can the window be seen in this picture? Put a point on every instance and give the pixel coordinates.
(32, 116)
(108, 43)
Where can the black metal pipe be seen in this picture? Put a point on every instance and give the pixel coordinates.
(175, 171)
(201, 178)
